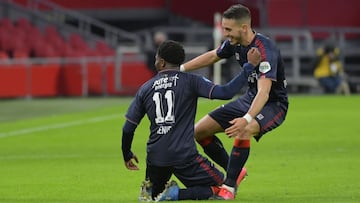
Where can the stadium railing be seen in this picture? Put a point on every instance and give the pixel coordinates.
(47, 12)
(83, 76)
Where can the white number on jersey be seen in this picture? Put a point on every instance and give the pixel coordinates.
(159, 110)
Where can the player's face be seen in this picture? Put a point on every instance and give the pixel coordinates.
(232, 30)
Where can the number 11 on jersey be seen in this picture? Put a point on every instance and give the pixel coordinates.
(158, 99)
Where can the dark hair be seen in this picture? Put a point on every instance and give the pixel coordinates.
(171, 52)
(237, 12)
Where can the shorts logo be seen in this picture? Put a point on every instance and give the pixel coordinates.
(264, 67)
(260, 116)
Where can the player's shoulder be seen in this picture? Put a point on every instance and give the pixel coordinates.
(144, 88)
(194, 78)
(148, 83)
(262, 36)
(263, 40)
(189, 76)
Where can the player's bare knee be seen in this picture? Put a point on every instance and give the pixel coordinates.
(206, 127)
(253, 128)
(249, 131)
(200, 136)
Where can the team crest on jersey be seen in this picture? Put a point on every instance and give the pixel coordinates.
(253, 77)
(264, 67)
(237, 56)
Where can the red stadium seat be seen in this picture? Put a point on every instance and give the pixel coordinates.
(51, 30)
(24, 24)
(77, 42)
(6, 41)
(21, 39)
(3, 55)
(44, 49)
(6, 23)
(33, 37)
(20, 54)
(104, 49)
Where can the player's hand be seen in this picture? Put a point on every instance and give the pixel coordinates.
(237, 128)
(131, 165)
(254, 56)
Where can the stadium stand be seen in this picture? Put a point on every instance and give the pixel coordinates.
(93, 38)
(20, 39)
(62, 58)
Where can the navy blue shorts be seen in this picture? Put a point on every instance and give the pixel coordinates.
(197, 172)
(270, 117)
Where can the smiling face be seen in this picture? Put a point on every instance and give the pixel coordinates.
(234, 30)
(236, 23)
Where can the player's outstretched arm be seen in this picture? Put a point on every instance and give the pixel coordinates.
(201, 61)
(229, 90)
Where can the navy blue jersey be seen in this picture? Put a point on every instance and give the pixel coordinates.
(170, 100)
(271, 66)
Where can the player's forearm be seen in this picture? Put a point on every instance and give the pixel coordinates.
(262, 96)
(229, 90)
(258, 103)
(127, 138)
(201, 61)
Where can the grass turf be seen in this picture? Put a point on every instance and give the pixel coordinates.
(68, 150)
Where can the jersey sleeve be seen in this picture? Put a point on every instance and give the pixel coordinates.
(269, 59)
(136, 110)
(127, 138)
(226, 50)
(229, 90)
(201, 85)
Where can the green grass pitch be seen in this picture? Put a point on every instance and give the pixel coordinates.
(68, 150)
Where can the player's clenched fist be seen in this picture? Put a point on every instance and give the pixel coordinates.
(254, 56)
(131, 165)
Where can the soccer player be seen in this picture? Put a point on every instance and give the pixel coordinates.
(262, 108)
(169, 100)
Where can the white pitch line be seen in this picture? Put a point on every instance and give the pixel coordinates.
(51, 156)
(57, 126)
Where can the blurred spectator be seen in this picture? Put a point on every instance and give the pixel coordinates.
(329, 70)
(158, 38)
